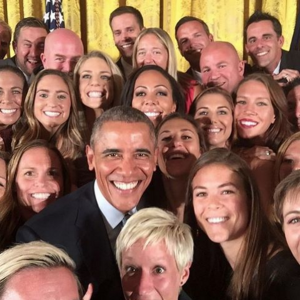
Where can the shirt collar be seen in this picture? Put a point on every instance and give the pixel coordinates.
(277, 70)
(112, 215)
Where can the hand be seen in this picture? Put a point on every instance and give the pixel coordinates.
(260, 152)
(89, 292)
(287, 74)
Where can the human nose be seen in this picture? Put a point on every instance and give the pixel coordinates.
(67, 66)
(40, 180)
(214, 74)
(148, 60)
(5, 98)
(34, 52)
(214, 202)
(145, 284)
(127, 166)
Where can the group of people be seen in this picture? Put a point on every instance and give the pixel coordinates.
(142, 181)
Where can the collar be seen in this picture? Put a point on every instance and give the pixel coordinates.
(277, 69)
(197, 76)
(111, 214)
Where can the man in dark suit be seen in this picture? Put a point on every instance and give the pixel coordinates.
(87, 222)
(126, 22)
(192, 35)
(264, 41)
(28, 44)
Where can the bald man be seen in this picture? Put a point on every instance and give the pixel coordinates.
(63, 48)
(220, 65)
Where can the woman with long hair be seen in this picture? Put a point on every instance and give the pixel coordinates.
(37, 176)
(225, 200)
(51, 113)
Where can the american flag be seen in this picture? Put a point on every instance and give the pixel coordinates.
(54, 17)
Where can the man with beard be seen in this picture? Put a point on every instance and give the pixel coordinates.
(126, 22)
(28, 43)
(192, 35)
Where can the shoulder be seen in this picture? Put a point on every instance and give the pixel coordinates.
(183, 296)
(8, 62)
(66, 208)
(282, 277)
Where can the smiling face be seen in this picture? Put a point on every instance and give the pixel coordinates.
(220, 204)
(11, 90)
(151, 273)
(290, 160)
(125, 30)
(151, 51)
(291, 221)
(263, 45)
(215, 116)
(124, 160)
(52, 102)
(192, 38)
(39, 180)
(254, 112)
(96, 84)
(28, 48)
(220, 66)
(178, 147)
(153, 96)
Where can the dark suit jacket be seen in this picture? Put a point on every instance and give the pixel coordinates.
(119, 64)
(75, 224)
(290, 60)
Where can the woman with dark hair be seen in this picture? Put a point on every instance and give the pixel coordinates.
(13, 89)
(261, 114)
(180, 143)
(226, 205)
(262, 126)
(37, 176)
(213, 110)
(153, 91)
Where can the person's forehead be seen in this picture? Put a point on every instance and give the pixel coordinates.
(123, 19)
(261, 27)
(190, 25)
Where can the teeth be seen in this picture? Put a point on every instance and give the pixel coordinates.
(95, 94)
(177, 155)
(127, 45)
(217, 220)
(261, 53)
(8, 111)
(42, 196)
(51, 113)
(248, 123)
(214, 130)
(152, 114)
(125, 186)
(32, 61)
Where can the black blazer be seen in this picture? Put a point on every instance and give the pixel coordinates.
(290, 60)
(75, 224)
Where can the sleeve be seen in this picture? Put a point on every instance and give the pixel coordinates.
(26, 234)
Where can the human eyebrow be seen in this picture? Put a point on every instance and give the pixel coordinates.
(143, 150)
(227, 184)
(292, 212)
(109, 151)
(42, 90)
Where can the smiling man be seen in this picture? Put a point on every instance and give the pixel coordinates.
(87, 222)
(221, 66)
(28, 43)
(192, 35)
(264, 41)
(126, 22)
